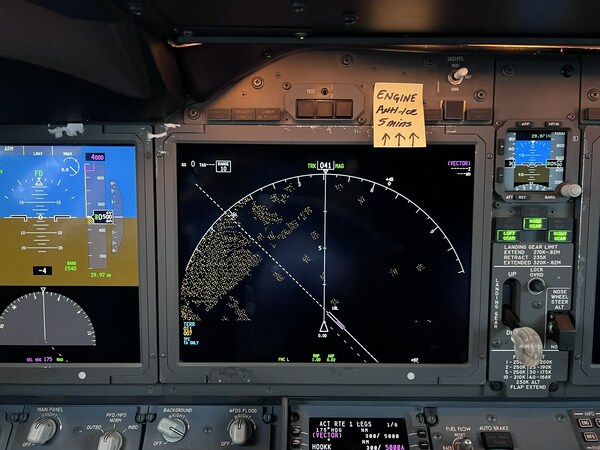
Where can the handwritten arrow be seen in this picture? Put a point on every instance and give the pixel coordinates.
(399, 136)
(385, 138)
(412, 138)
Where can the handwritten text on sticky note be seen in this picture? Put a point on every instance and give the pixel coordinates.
(398, 119)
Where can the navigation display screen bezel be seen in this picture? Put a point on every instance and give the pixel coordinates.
(586, 369)
(173, 369)
(140, 368)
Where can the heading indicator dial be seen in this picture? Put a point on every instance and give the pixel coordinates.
(45, 318)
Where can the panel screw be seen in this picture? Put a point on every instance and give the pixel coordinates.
(258, 82)
(561, 418)
(491, 418)
(593, 94)
(496, 342)
(553, 386)
(361, 120)
(78, 430)
(571, 116)
(567, 71)
(347, 60)
(508, 71)
(349, 18)
(429, 61)
(136, 8)
(298, 6)
(286, 85)
(480, 95)
(193, 113)
(496, 386)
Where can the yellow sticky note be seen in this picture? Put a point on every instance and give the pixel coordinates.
(398, 117)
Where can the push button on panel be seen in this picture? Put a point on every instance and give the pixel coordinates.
(454, 109)
(590, 436)
(585, 423)
(305, 109)
(344, 109)
(324, 109)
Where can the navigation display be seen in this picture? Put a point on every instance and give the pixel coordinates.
(534, 160)
(69, 267)
(324, 254)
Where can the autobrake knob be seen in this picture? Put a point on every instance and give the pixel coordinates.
(111, 440)
(173, 430)
(240, 431)
(42, 430)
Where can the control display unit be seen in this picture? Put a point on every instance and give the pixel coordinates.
(535, 160)
(357, 434)
(324, 254)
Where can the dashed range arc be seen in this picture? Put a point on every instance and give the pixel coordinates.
(324, 253)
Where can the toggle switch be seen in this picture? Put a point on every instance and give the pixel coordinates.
(458, 75)
(561, 330)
